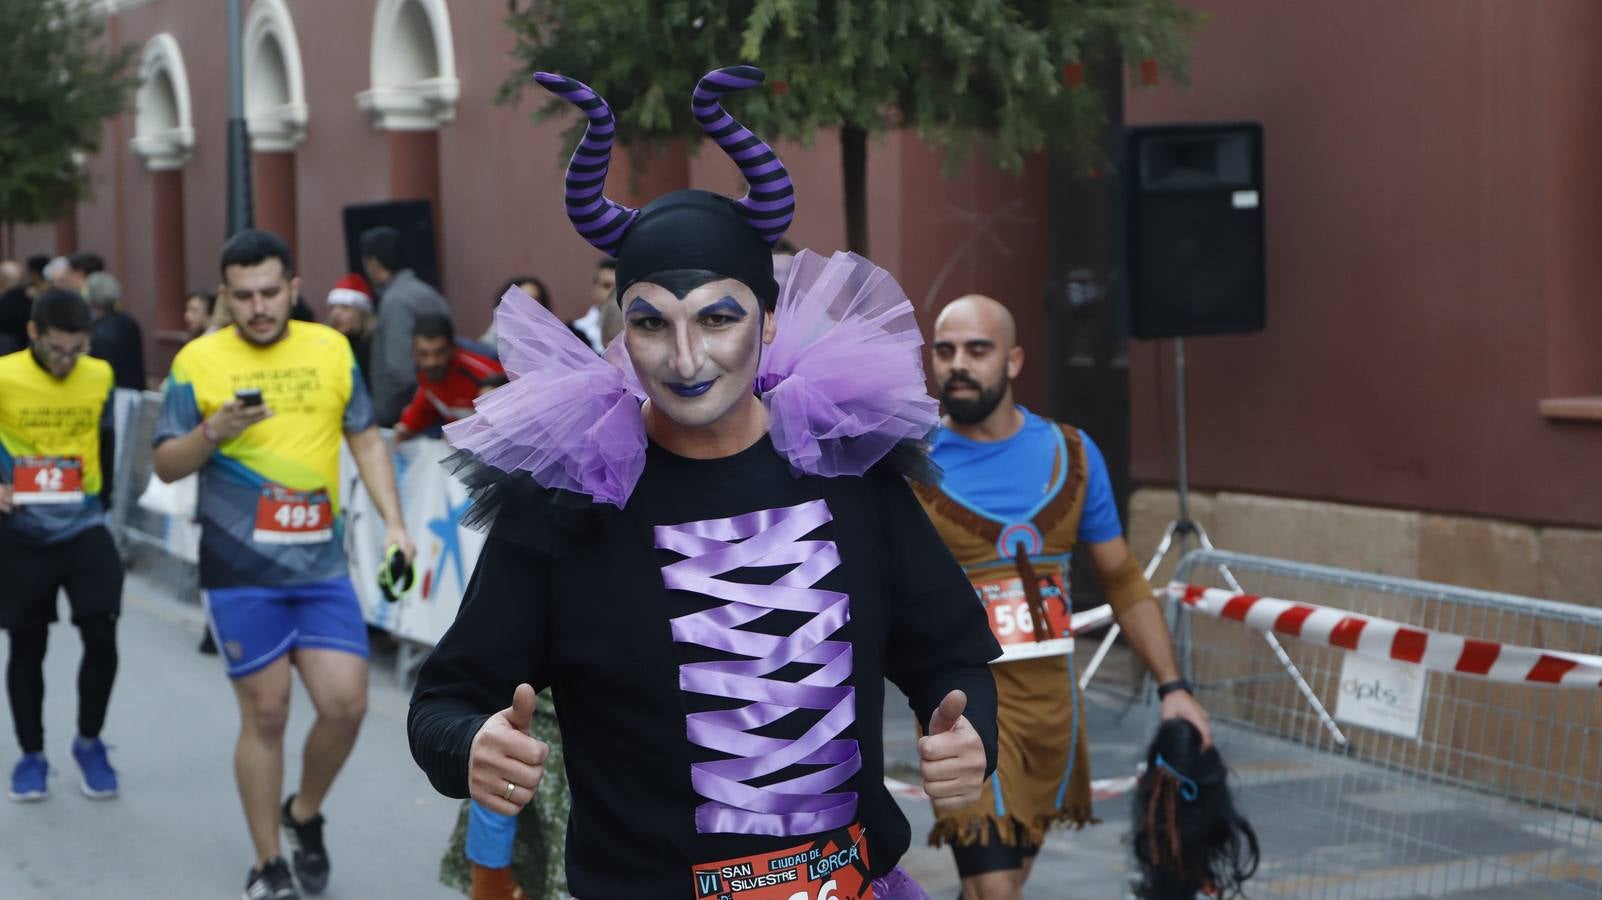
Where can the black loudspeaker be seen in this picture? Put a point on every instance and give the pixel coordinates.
(414, 219)
(1194, 229)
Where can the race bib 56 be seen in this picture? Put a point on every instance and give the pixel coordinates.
(1001, 591)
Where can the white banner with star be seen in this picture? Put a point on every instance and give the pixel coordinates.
(433, 503)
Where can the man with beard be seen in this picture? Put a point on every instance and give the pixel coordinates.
(259, 409)
(1020, 493)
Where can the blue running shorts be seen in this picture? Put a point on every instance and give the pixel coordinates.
(256, 625)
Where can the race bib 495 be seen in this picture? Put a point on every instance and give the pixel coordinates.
(284, 516)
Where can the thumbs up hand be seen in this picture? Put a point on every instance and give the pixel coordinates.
(506, 763)
(952, 757)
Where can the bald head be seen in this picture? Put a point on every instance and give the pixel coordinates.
(975, 356)
(11, 274)
(976, 314)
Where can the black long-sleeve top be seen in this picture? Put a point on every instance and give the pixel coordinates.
(592, 621)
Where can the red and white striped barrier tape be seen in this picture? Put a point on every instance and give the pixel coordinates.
(1100, 789)
(1384, 639)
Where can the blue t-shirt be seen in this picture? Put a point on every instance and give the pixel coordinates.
(1011, 480)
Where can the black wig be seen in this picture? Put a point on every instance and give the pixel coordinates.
(1188, 837)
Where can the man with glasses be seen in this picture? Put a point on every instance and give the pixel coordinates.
(56, 448)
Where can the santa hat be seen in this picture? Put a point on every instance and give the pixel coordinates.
(352, 290)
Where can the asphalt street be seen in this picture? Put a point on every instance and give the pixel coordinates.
(177, 831)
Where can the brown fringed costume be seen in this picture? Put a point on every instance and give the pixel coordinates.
(1042, 761)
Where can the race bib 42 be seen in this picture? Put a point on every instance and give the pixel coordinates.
(47, 479)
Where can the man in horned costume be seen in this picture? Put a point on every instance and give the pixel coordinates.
(704, 544)
(1019, 494)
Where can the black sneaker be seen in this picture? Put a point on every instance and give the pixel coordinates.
(306, 840)
(270, 882)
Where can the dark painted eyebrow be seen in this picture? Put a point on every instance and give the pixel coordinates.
(728, 306)
(643, 307)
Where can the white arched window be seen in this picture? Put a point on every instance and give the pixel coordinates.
(164, 132)
(275, 89)
(413, 67)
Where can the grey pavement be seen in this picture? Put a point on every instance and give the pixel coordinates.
(177, 830)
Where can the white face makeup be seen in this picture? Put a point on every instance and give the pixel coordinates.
(696, 357)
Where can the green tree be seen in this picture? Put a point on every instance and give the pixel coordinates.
(59, 82)
(1001, 76)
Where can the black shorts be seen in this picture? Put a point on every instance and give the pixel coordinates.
(87, 566)
(994, 856)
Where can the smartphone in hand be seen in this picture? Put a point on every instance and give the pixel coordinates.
(248, 396)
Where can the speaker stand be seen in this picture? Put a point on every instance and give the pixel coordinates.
(1182, 529)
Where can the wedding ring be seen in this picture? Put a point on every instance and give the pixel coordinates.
(510, 787)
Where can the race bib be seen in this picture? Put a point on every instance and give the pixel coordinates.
(1001, 591)
(47, 479)
(832, 867)
(284, 516)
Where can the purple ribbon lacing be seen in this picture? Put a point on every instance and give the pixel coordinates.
(797, 806)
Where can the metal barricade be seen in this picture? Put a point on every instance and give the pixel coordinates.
(134, 527)
(1498, 796)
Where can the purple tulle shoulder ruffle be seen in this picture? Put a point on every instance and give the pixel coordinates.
(842, 381)
(568, 418)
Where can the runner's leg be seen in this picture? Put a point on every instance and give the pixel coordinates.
(94, 589)
(337, 683)
(259, 755)
(25, 683)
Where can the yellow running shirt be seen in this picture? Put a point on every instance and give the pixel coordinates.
(269, 499)
(50, 446)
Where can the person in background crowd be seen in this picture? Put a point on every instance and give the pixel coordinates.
(78, 268)
(531, 286)
(350, 312)
(449, 378)
(402, 298)
(197, 312)
(56, 448)
(783, 255)
(58, 274)
(11, 274)
(117, 338)
(603, 287)
(276, 578)
(16, 301)
(222, 315)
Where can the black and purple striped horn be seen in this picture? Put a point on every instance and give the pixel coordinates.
(769, 204)
(600, 221)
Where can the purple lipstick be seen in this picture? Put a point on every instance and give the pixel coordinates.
(691, 390)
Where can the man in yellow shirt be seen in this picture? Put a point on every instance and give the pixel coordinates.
(258, 409)
(55, 482)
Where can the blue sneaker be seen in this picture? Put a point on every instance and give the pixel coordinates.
(28, 783)
(99, 778)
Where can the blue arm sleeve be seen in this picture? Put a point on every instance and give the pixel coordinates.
(179, 413)
(359, 408)
(1099, 521)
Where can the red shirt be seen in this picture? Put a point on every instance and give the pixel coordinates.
(451, 398)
